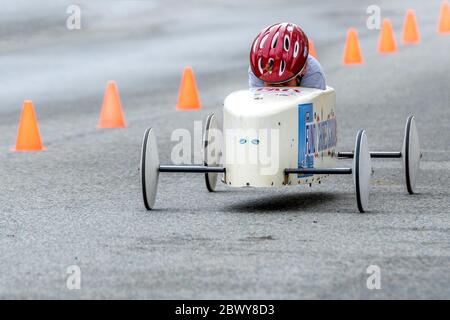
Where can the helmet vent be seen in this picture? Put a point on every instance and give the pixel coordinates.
(270, 64)
(263, 41)
(287, 43)
(255, 46)
(275, 40)
(282, 67)
(296, 49)
(260, 66)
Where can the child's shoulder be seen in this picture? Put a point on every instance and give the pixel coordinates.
(314, 65)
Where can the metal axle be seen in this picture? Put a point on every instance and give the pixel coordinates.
(318, 171)
(194, 169)
(374, 154)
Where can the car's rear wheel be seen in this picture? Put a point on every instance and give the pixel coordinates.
(149, 169)
(362, 170)
(212, 150)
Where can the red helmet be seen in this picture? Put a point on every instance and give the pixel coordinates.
(279, 53)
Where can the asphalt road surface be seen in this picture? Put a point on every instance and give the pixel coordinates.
(79, 202)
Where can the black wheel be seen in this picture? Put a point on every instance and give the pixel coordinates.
(411, 155)
(211, 151)
(149, 169)
(362, 170)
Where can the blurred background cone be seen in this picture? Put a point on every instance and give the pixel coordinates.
(410, 33)
(352, 51)
(111, 115)
(386, 42)
(188, 96)
(312, 49)
(444, 18)
(28, 136)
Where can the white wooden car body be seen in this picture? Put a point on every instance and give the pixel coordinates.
(280, 128)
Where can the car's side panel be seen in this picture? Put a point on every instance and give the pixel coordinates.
(317, 136)
(266, 131)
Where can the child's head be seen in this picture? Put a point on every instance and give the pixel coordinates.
(279, 53)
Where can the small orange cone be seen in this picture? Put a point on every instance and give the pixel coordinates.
(28, 136)
(386, 42)
(410, 33)
(188, 97)
(111, 115)
(312, 49)
(444, 18)
(352, 51)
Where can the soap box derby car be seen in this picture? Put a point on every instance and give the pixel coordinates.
(303, 138)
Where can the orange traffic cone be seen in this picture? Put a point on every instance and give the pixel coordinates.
(386, 42)
(28, 136)
(111, 115)
(188, 97)
(444, 18)
(352, 51)
(312, 49)
(411, 33)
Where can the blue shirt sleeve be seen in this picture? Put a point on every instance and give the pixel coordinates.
(314, 76)
(253, 81)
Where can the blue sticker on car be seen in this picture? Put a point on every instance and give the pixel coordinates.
(306, 137)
